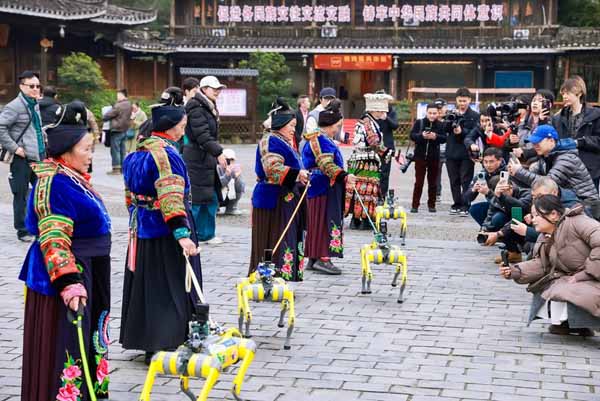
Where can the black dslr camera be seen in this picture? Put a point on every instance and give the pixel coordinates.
(410, 156)
(453, 119)
(507, 111)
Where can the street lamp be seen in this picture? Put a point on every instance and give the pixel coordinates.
(304, 60)
(395, 65)
(61, 32)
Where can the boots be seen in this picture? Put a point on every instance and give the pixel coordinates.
(564, 330)
(513, 257)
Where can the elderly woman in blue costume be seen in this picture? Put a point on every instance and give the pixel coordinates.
(280, 180)
(326, 194)
(156, 308)
(67, 267)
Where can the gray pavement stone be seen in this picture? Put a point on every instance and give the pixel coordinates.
(460, 335)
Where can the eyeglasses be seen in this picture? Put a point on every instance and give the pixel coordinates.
(32, 86)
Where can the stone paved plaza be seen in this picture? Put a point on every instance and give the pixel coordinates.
(460, 335)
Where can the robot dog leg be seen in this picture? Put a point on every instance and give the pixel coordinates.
(397, 258)
(367, 274)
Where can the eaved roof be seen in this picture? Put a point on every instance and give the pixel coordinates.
(72, 10)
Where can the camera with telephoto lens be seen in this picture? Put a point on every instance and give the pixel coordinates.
(409, 159)
(481, 238)
(507, 111)
(453, 119)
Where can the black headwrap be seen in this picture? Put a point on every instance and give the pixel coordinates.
(69, 129)
(166, 117)
(281, 114)
(331, 114)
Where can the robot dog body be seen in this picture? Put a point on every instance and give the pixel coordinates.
(391, 210)
(203, 355)
(380, 252)
(262, 286)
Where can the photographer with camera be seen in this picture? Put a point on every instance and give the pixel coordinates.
(442, 106)
(537, 114)
(558, 159)
(581, 122)
(427, 133)
(493, 164)
(458, 124)
(486, 135)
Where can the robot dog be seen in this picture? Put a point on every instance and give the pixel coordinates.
(208, 350)
(391, 210)
(379, 252)
(263, 286)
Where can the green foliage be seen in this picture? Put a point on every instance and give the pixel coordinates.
(272, 70)
(579, 13)
(80, 76)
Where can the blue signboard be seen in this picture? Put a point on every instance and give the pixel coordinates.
(513, 79)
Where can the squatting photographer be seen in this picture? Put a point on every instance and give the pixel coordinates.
(428, 134)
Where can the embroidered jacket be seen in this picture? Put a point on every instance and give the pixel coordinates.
(368, 134)
(323, 158)
(156, 189)
(277, 167)
(61, 208)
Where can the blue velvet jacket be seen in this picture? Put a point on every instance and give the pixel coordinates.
(322, 157)
(60, 210)
(157, 189)
(277, 166)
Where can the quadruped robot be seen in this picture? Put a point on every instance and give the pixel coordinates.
(390, 209)
(208, 351)
(262, 286)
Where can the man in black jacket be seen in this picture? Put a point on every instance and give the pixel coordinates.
(201, 153)
(493, 164)
(459, 164)
(582, 123)
(427, 133)
(49, 104)
(387, 127)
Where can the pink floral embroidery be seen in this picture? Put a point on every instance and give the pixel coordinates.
(71, 373)
(288, 264)
(102, 370)
(335, 243)
(289, 197)
(69, 392)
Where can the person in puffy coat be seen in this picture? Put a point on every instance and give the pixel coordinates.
(564, 274)
(559, 160)
(201, 153)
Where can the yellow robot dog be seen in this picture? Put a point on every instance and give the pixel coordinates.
(391, 210)
(262, 286)
(379, 252)
(207, 352)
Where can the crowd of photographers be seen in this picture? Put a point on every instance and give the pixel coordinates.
(536, 194)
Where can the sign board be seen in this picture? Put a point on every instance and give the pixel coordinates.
(406, 13)
(232, 103)
(513, 79)
(353, 62)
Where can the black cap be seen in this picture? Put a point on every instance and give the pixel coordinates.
(28, 74)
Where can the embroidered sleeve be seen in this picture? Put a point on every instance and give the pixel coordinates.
(359, 134)
(170, 188)
(273, 163)
(325, 161)
(55, 230)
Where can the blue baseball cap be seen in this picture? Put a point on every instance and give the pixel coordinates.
(542, 132)
(327, 92)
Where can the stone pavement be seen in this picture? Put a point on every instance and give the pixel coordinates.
(460, 335)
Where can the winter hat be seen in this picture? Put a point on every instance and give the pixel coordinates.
(327, 92)
(331, 114)
(166, 117)
(281, 114)
(377, 101)
(542, 132)
(68, 130)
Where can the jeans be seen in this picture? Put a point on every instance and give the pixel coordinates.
(118, 142)
(478, 211)
(422, 167)
(460, 173)
(19, 179)
(205, 217)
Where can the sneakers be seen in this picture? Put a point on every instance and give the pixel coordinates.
(326, 267)
(513, 257)
(233, 212)
(26, 238)
(463, 213)
(454, 211)
(414, 210)
(213, 241)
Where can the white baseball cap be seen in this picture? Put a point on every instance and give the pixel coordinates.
(229, 154)
(212, 82)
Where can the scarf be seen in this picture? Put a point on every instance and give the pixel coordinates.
(211, 105)
(36, 122)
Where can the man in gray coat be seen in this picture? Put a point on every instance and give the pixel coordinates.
(120, 121)
(558, 159)
(21, 134)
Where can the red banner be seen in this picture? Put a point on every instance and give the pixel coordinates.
(373, 62)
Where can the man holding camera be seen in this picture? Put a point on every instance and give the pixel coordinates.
(558, 159)
(428, 134)
(493, 164)
(459, 124)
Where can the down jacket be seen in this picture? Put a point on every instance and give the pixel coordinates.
(575, 251)
(565, 167)
(202, 149)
